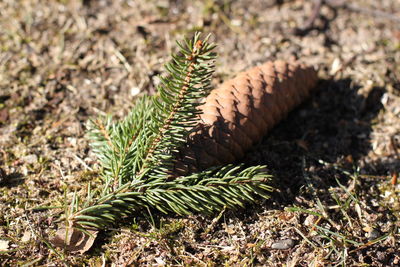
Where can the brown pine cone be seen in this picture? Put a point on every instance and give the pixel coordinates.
(241, 111)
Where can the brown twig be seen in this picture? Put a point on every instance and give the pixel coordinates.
(308, 25)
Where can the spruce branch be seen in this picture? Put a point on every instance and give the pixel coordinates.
(118, 145)
(205, 192)
(138, 154)
(181, 93)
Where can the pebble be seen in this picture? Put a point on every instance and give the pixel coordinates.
(135, 91)
(374, 234)
(283, 244)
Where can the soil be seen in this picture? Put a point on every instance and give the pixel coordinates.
(335, 159)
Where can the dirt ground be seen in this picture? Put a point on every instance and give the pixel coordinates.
(335, 159)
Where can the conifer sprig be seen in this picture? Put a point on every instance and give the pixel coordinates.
(118, 146)
(138, 153)
(188, 83)
(204, 192)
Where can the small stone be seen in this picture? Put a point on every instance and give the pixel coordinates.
(135, 91)
(374, 234)
(336, 66)
(309, 221)
(283, 244)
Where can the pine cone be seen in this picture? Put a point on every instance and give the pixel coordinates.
(241, 111)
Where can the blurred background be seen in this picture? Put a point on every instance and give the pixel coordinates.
(63, 62)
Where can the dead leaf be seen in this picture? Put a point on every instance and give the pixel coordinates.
(74, 241)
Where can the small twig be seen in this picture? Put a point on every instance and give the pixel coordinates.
(83, 163)
(214, 222)
(123, 60)
(60, 169)
(370, 243)
(317, 9)
(308, 25)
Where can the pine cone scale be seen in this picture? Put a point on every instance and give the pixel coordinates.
(241, 111)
